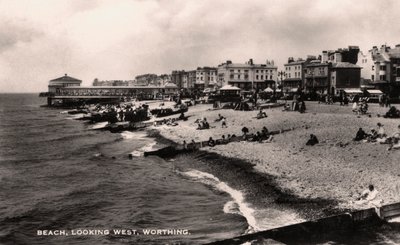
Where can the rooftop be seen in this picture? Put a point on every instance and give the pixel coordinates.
(66, 78)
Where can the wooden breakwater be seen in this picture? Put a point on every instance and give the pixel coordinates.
(321, 229)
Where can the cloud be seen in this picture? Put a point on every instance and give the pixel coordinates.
(14, 32)
(120, 39)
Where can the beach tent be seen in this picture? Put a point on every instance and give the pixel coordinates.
(268, 90)
(352, 91)
(229, 88)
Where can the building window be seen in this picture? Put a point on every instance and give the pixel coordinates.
(382, 68)
(270, 77)
(231, 76)
(373, 67)
(246, 70)
(372, 77)
(382, 77)
(256, 71)
(239, 71)
(238, 76)
(262, 77)
(232, 71)
(257, 77)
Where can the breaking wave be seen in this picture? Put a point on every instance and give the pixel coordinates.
(236, 206)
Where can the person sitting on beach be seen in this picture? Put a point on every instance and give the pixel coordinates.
(313, 140)
(369, 197)
(205, 125)
(192, 145)
(224, 140)
(361, 135)
(395, 140)
(265, 131)
(245, 131)
(261, 114)
(372, 136)
(211, 142)
(220, 118)
(286, 107)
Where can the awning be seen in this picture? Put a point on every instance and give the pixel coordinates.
(352, 91)
(374, 91)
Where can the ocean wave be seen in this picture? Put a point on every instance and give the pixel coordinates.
(99, 125)
(238, 205)
(133, 135)
(75, 116)
(140, 152)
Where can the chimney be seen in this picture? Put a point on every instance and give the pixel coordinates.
(325, 56)
(250, 61)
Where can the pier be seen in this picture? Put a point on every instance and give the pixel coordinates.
(66, 89)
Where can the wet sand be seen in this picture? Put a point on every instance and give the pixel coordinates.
(316, 180)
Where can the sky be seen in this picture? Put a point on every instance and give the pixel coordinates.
(118, 39)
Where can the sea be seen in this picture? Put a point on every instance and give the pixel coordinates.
(62, 182)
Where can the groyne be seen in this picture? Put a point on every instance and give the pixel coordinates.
(320, 230)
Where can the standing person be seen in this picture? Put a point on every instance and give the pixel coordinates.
(381, 130)
(387, 102)
(223, 123)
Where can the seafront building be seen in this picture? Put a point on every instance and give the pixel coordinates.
(386, 68)
(248, 76)
(332, 72)
(206, 78)
(294, 74)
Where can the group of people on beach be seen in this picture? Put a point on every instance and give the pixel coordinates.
(121, 113)
(360, 107)
(379, 135)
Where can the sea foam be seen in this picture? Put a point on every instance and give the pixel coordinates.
(238, 205)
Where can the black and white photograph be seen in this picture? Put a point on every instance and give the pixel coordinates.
(199, 122)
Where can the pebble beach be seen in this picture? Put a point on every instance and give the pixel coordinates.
(337, 168)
